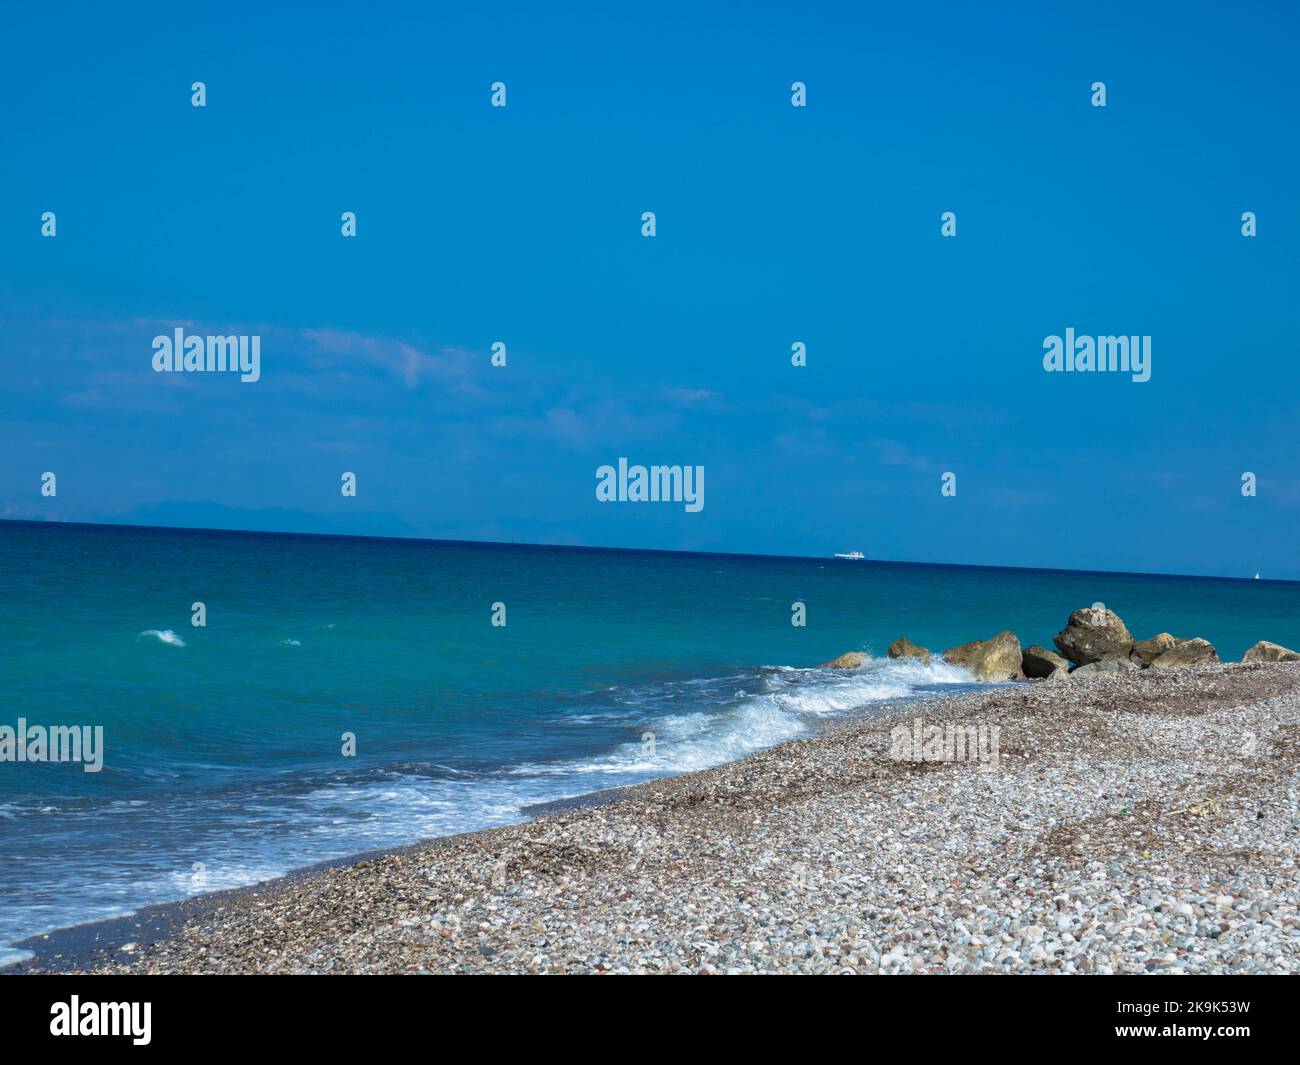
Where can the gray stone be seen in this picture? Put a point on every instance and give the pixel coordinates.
(1106, 665)
(848, 660)
(1093, 634)
(1038, 661)
(905, 648)
(989, 660)
(1193, 652)
(1147, 651)
(1264, 651)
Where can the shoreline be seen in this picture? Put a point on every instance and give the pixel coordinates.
(77, 947)
(824, 854)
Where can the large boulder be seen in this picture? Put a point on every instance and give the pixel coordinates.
(849, 660)
(1270, 652)
(1040, 662)
(989, 660)
(905, 648)
(1147, 651)
(1092, 635)
(1193, 652)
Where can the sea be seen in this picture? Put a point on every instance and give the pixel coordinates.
(347, 693)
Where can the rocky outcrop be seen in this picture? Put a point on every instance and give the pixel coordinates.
(1147, 651)
(1094, 634)
(1038, 661)
(990, 660)
(1194, 652)
(905, 648)
(1270, 652)
(1094, 641)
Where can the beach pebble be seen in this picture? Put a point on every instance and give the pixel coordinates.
(1122, 831)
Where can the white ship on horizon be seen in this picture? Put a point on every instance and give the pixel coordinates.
(850, 554)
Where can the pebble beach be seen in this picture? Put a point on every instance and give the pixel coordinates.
(1133, 823)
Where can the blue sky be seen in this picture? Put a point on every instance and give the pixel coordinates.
(775, 224)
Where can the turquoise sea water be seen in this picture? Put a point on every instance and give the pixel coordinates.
(223, 764)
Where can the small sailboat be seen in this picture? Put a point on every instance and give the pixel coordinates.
(855, 555)
(1257, 575)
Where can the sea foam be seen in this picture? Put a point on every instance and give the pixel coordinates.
(164, 636)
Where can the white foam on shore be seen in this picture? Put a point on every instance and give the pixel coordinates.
(785, 705)
(12, 955)
(697, 723)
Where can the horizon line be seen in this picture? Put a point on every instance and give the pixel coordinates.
(641, 550)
